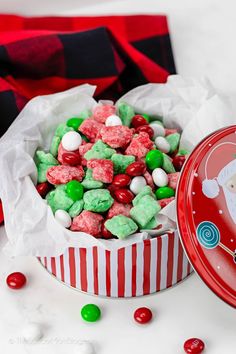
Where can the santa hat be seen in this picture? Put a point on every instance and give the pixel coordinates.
(211, 187)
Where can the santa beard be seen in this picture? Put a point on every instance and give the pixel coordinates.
(231, 203)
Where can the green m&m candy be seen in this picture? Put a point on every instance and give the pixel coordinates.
(74, 123)
(90, 313)
(146, 116)
(75, 190)
(154, 159)
(164, 192)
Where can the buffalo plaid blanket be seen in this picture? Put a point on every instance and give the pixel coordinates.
(44, 55)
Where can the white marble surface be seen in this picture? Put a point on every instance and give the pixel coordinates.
(203, 34)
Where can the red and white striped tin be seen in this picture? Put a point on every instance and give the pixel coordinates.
(140, 269)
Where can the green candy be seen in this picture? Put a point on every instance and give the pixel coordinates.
(167, 164)
(100, 150)
(145, 210)
(58, 199)
(183, 152)
(74, 123)
(76, 208)
(154, 159)
(46, 158)
(55, 145)
(126, 113)
(121, 226)
(121, 162)
(84, 137)
(85, 114)
(42, 172)
(164, 192)
(75, 190)
(152, 224)
(98, 200)
(89, 182)
(146, 116)
(90, 313)
(147, 190)
(62, 129)
(173, 140)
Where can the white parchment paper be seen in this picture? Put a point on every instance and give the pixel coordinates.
(189, 105)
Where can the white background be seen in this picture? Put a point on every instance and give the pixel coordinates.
(203, 37)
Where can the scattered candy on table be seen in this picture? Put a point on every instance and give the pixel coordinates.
(109, 172)
(16, 280)
(194, 346)
(90, 313)
(143, 315)
(32, 332)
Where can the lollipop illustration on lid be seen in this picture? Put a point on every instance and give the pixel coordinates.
(207, 232)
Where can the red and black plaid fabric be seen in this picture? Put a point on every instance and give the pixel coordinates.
(50, 54)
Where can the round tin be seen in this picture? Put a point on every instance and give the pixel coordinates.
(206, 212)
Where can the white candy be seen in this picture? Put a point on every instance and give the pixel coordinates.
(84, 347)
(71, 141)
(63, 218)
(158, 129)
(113, 120)
(160, 178)
(162, 144)
(137, 184)
(32, 332)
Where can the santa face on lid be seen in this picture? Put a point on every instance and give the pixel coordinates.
(231, 184)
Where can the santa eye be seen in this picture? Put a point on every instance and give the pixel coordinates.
(232, 186)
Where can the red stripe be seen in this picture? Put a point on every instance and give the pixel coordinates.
(134, 269)
(95, 269)
(62, 268)
(146, 266)
(72, 267)
(158, 275)
(170, 260)
(83, 269)
(188, 268)
(108, 272)
(180, 263)
(121, 272)
(45, 262)
(53, 265)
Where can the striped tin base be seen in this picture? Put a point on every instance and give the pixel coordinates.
(143, 268)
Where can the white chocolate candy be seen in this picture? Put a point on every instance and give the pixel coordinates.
(113, 120)
(71, 141)
(160, 177)
(63, 218)
(158, 129)
(137, 184)
(32, 332)
(84, 347)
(162, 144)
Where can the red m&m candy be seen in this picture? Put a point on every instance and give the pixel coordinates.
(43, 188)
(178, 162)
(194, 346)
(106, 233)
(138, 121)
(143, 315)
(145, 129)
(16, 280)
(71, 158)
(121, 180)
(123, 196)
(136, 169)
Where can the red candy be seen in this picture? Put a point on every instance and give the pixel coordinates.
(137, 168)
(102, 170)
(62, 152)
(194, 346)
(71, 158)
(173, 180)
(43, 188)
(117, 136)
(149, 179)
(63, 174)
(123, 195)
(146, 129)
(121, 180)
(139, 146)
(138, 121)
(178, 162)
(106, 233)
(90, 128)
(119, 209)
(170, 131)
(164, 202)
(102, 112)
(143, 315)
(88, 222)
(16, 280)
(84, 147)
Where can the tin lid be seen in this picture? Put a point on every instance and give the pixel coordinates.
(206, 212)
